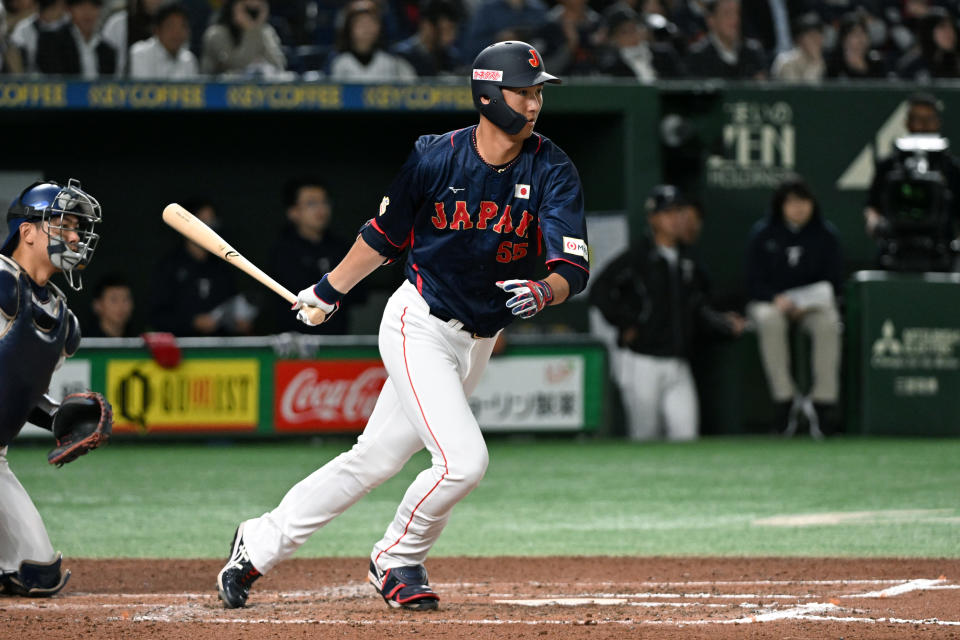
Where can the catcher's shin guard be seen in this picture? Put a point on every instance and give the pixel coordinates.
(404, 587)
(35, 579)
(236, 577)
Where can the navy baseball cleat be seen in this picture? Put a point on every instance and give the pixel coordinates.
(234, 580)
(404, 587)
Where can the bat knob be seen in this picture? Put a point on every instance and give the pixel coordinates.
(311, 315)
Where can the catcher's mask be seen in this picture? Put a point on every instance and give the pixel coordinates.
(61, 211)
(506, 64)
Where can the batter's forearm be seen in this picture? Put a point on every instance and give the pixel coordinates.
(560, 286)
(360, 261)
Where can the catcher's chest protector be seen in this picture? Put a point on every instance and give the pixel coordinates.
(32, 339)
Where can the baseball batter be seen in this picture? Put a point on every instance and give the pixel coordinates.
(474, 210)
(50, 229)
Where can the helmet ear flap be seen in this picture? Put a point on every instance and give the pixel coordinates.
(496, 110)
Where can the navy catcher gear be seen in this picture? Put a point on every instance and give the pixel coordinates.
(506, 64)
(83, 422)
(51, 203)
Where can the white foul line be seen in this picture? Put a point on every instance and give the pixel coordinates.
(906, 587)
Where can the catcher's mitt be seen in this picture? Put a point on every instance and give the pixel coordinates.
(82, 423)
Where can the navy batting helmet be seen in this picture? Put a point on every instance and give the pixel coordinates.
(506, 64)
(50, 203)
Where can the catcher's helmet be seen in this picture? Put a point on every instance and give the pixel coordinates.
(506, 64)
(50, 202)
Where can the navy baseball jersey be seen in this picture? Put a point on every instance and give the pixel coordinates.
(36, 331)
(468, 224)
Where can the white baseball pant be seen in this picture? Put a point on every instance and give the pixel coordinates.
(22, 534)
(432, 368)
(659, 395)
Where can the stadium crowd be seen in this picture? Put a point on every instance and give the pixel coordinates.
(375, 40)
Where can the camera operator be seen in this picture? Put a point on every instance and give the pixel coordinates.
(911, 207)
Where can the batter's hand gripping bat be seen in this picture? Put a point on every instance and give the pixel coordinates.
(194, 229)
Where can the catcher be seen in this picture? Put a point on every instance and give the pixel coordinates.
(50, 229)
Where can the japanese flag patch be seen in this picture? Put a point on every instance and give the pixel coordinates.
(522, 191)
(575, 246)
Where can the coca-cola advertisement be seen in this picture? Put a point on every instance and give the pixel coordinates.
(326, 395)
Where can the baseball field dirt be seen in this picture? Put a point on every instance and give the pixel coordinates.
(492, 598)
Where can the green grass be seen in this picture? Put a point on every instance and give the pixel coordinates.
(540, 497)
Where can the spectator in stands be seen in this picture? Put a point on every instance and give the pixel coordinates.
(804, 62)
(652, 297)
(112, 307)
(50, 16)
(770, 22)
(360, 54)
(497, 20)
(568, 41)
(165, 55)
(691, 20)
(630, 51)
(12, 13)
(432, 50)
(853, 57)
(76, 48)
(194, 293)
(935, 54)
(794, 276)
(140, 19)
(307, 248)
(242, 42)
(724, 53)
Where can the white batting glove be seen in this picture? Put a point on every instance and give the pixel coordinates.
(314, 296)
(529, 296)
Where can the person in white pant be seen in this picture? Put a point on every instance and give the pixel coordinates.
(794, 274)
(469, 207)
(655, 295)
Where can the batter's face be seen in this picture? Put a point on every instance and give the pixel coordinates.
(527, 101)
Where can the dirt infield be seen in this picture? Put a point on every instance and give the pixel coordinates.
(498, 598)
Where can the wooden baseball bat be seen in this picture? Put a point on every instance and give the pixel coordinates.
(194, 229)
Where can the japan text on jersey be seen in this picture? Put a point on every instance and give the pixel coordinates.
(468, 224)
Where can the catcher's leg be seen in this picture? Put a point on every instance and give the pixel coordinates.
(28, 563)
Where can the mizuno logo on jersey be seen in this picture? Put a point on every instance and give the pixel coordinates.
(575, 246)
(456, 189)
(522, 191)
(488, 74)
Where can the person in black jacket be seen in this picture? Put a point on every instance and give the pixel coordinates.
(631, 51)
(924, 117)
(652, 295)
(194, 292)
(794, 276)
(724, 53)
(76, 48)
(308, 249)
